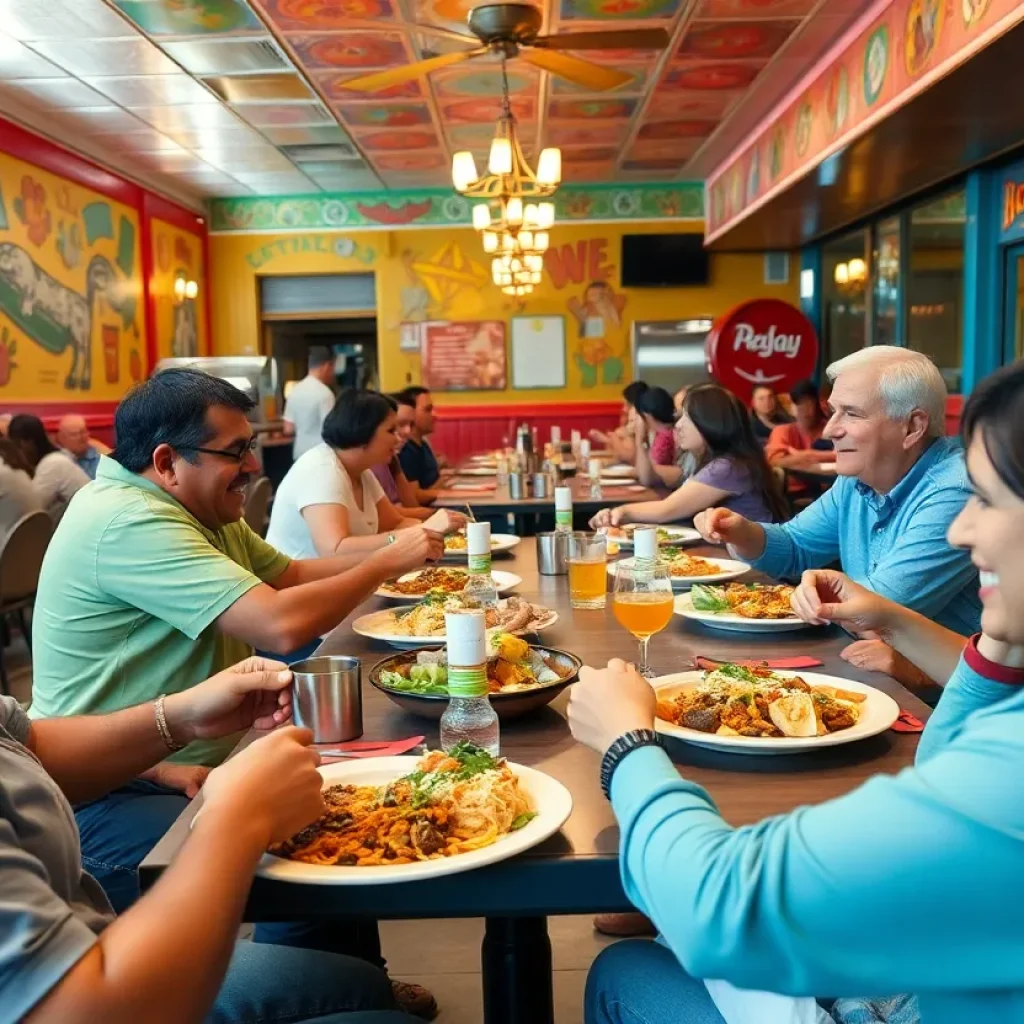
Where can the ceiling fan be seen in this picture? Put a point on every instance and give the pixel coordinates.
(511, 30)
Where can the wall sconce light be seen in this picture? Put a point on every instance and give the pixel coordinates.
(185, 289)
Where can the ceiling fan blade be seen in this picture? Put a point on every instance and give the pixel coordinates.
(398, 76)
(625, 39)
(582, 72)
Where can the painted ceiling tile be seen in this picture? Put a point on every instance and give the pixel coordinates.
(477, 137)
(487, 111)
(735, 39)
(591, 110)
(711, 77)
(414, 161)
(588, 172)
(392, 141)
(563, 87)
(667, 104)
(354, 51)
(589, 155)
(325, 15)
(679, 149)
(717, 10)
(384, 115)
(617, 10)
(694, 128)
(661, 165)
(484, 83)
(198, 17)
(333, 88)
(449, 14)
(587, 135)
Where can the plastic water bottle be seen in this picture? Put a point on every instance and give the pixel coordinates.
(563, 510)
(645, 545)
(469, 717)
(583, 460)
(480, 584)
(501, 470)
(594, 472)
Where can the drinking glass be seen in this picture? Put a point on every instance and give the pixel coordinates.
(588, 570)
(642, 601)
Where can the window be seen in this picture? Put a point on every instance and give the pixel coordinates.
(886, 283)
(935, 286)
(844, 282)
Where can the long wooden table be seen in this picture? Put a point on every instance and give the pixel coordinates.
(575, 871)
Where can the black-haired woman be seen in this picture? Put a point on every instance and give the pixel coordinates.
(730, 467)
(902, 885)
(330, 501)
(56, 478)
(654, 436)
(620, 440)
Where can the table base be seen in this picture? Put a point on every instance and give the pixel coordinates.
(516, 966)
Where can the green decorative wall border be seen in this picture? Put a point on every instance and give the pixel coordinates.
(385, 211)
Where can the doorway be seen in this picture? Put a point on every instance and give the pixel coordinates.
(352, 339)
(1013, 322)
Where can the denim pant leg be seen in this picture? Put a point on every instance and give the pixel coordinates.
(359, 938)
(119, 830)
(641, 982)
(285, 985)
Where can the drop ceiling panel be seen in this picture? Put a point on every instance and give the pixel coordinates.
(188, 116)
(263, 88)
(105, 119)
(64, 93)
(227, 56)
(18, 61)
(153, 90)
(146, 140)
(30, 20)
(107, 57)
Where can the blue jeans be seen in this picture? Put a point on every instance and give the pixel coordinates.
(268, 983)
(118, 831)
(641, 982)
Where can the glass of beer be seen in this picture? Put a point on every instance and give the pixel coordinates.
(642, 602)
(588, 569)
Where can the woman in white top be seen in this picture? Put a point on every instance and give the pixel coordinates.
(330, 502)
(55, 476)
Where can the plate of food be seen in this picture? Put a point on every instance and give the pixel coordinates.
(667, 535)
(762, 711)
(405, 819)
(478, 470)
(741, 607)
(415, 584)
(410, 625)
(520, 676)
(619, 471)
(455, 544)
(686, 570)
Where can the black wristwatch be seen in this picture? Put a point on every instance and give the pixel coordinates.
(620, 748)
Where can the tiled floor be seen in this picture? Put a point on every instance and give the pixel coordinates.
(443, 955)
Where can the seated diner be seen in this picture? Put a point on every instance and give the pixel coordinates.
(766, 412)
(656, 459)
(55, 477)
(620, 441)
(799, 447)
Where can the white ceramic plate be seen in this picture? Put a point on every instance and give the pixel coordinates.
(736, 623)
(478, 471)
(730, 570)
(503, 582)
(550, 799)
(680, 535)
(499, 542)
(621, 471)
(877, 713)
(468, 485)
(380, 626)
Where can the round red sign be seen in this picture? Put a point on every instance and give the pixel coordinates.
(764, 341)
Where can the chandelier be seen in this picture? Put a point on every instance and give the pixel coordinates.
(514, 213)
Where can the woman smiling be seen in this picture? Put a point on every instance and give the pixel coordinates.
(899, 886)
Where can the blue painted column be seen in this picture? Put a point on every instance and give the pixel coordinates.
(983, 278)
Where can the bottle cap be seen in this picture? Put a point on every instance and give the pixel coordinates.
(645, 542)
(466, 636)
(478, 538)
(556, 435)
(563, 499)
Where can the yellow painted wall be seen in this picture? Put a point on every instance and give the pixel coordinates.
(445, 275)
(179, 324)
(70, 282)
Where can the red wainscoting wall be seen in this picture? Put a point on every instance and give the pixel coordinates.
(465, 429)
(954, 407)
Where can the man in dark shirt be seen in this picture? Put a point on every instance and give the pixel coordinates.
(419, 463)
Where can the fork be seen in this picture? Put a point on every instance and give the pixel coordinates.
(469, 513)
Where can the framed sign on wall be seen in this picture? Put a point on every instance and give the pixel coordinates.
(538, 352)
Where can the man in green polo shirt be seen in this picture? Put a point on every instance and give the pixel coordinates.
(153, 582)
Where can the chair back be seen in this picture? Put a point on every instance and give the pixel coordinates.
(256, 505)
(21, 556)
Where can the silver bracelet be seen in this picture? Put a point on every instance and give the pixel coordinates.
(161, 724)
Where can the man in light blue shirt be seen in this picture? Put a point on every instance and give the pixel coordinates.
(73, 437)
(901, 483)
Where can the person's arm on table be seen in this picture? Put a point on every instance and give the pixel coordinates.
(408, 503)
(164, 959)
(804, 903)
(683, 503)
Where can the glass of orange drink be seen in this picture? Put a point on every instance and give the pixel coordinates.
(588, 569)
(642, 601)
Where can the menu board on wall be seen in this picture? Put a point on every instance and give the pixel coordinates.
(464, 356)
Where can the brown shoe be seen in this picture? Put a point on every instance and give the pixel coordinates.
(414, 999)
(624, 926)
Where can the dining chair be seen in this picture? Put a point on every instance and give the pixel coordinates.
(257, 504)
(21, 559)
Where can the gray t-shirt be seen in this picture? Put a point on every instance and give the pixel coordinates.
(50, 910)
(726, 475)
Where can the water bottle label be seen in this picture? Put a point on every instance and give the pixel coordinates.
(563, 518)
(467, 682)
(480, 564)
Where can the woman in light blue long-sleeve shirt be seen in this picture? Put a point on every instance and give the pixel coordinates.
(909, 884)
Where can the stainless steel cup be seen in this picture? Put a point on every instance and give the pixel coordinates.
(540, 485)
(552, 549)
(517, 486)
(328, 698)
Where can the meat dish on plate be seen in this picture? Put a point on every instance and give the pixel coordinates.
(748, 600)
(682, 564)
(452, 803)
(449, 580)
(733, 700)
(512, 615)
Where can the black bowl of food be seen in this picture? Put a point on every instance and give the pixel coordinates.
(522, 677)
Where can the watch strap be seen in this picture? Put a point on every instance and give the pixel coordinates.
(620, 748)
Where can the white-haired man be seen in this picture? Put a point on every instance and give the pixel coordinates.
(901, 483)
